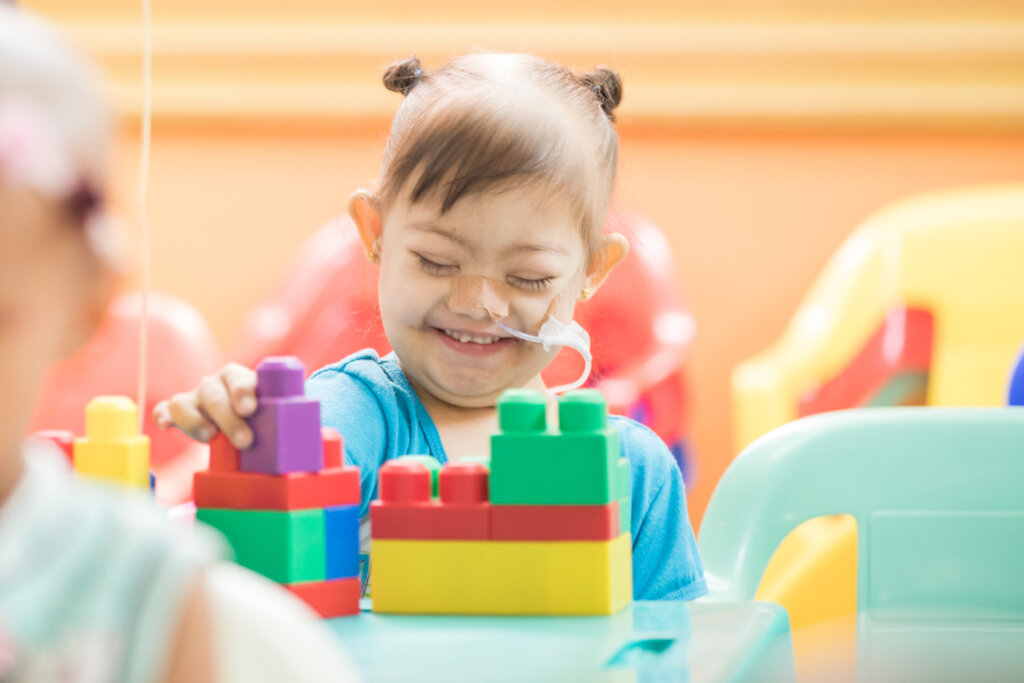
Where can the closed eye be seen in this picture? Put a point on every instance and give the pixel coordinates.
(526, 284)
(434, 268)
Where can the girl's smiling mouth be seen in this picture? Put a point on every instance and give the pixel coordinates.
(472, 343)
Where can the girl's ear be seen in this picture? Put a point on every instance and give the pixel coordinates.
(612, 249)
(362, 207)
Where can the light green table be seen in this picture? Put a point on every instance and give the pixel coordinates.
(650, 641)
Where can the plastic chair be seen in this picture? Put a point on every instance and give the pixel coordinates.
(936, 279)
(325, 307)
(920, 305)
(936, 494)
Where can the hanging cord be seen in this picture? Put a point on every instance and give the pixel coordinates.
(147, 104)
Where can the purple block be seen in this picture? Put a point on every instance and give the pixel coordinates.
(279, 377)
(286, 437)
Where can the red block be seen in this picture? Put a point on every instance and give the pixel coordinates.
(292, 491)
(332, 447)
(463, 483)
(402, 481)
(223, 456)
(334, 598)
(433, 520)
(554, 522)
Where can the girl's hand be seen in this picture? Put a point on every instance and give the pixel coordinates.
(220, 402)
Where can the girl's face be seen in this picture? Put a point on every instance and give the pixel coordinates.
(449, 346)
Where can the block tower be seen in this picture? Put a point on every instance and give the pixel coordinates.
(544, 531)
(288, 505)
(112, 449)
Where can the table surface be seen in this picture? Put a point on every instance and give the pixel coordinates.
(649, 641)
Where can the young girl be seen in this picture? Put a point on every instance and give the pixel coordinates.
(94, 586)
(487, 224)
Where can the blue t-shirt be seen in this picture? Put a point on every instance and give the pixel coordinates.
(370, 401)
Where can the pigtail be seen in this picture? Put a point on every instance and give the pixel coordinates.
(403, 76)
(606, 86)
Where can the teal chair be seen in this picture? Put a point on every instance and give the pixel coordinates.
(938, 496)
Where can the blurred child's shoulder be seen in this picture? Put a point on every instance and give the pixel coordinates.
(81, 563)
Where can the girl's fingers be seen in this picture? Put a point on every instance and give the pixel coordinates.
(215, 403)
(182, 411)
(241, 385)
(162, 415)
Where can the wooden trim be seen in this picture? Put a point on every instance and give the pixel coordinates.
(882, 75)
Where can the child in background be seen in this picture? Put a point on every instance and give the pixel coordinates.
(94, 585)
(487, 225)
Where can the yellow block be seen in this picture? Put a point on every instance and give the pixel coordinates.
(112, 449)
(111, 418)
(125, 462)
(501, 577)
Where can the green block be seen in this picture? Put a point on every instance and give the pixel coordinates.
(624, 491)
(285, 546)
(431, 463)
(534, 466)
(522, 410)
(582, 411)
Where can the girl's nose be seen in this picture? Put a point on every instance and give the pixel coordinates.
(479, 297)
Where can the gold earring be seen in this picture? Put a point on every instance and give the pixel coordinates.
(372, 256)
(586, 294)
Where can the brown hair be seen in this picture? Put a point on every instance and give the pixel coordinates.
(492, 121)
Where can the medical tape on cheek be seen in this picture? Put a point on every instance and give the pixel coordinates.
(477, 291)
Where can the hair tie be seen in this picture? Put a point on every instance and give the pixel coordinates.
(415, 80)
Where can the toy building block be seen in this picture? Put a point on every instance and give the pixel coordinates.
(406, 509)
(333, 448)
(463, 483)
(61, 438)
(286, 547)
(222, 486)
(294, 491)
(286, 424)
(432, 465)
(112, 448)
(532, 465)
(555, 522)
(223, 455)
(341, 533)
(331, 598)
(509, 577)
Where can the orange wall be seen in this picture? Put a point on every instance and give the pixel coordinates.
(751, 217)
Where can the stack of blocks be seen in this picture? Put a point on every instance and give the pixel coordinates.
(545, 531)
(112, 449)
(287, 504)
